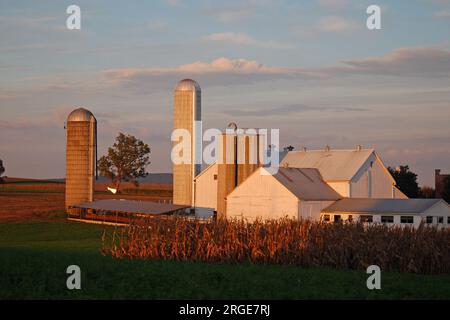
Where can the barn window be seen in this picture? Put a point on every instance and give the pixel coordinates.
(337, 218)
(387, 219)
(429, 220)
(440, 219)
(407, 219)
(364, 219)
(215, 177)
(326, 218)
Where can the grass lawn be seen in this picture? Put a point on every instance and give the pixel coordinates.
(34, 257)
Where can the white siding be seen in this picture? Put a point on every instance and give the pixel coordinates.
(206, 189)
(263, 197)
(372, 181)
(341, 187)
(312, 209)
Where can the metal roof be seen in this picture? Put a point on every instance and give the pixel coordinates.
(80, 114)
(371, 205)
(187, 85)
(130, 206)
(334, 165)
(306, 184)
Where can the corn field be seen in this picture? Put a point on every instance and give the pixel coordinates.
(300, 243)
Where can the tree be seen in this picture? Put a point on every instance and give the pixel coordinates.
(427, 192)
(446, 190)
(288, 148)
(2, 170)
(126, 160)
(406, 181)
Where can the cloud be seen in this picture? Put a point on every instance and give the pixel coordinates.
(424, 62)
(221, 71)
(331, 24)
(242, 39)
(406, 62)
(442, 14)
(232, 15)
(288, 110)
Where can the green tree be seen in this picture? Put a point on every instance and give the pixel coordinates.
(446, 190)
(127, 160)
(2, 170)
(406, 181)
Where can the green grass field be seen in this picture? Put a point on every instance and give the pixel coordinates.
(34, 257)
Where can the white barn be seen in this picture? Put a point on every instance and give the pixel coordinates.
(357, 173)
(292, 192)
(389, 211)
(206, 191)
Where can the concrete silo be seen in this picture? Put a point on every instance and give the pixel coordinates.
(187, 110)
(80, 156)
(239, 156)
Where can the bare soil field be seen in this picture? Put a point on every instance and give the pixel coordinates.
(40, 200)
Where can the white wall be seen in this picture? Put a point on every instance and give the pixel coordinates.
(312, 209)
(437, 211)
(206, 189)
(341, 187)
(263, 197)
(372, 181)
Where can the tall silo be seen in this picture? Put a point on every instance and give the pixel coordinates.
(187, 110)
(80, 156)
(238, 157)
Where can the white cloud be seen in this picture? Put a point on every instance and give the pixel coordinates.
(412, 61)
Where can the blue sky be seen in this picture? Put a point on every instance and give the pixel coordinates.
(310, 68)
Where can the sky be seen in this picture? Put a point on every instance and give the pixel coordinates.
(309, 68)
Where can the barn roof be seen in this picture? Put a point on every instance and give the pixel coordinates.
(334, 165)
(357, 205)
(306, 184)
(131, 206)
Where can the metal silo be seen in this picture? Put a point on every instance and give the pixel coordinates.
(80, 156)
(187, 110)
(238, 158)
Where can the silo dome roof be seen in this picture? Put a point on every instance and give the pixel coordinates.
(80, 114)
(187, 85)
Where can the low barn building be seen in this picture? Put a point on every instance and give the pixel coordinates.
(389, 211)
(357, 173)
(292, 192)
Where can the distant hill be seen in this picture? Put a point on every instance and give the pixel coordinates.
(165, 178)
(151, 178)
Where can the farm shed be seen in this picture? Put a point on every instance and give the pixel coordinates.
(390, 211)
(357, 173)
(292, 192)
(122, 211)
